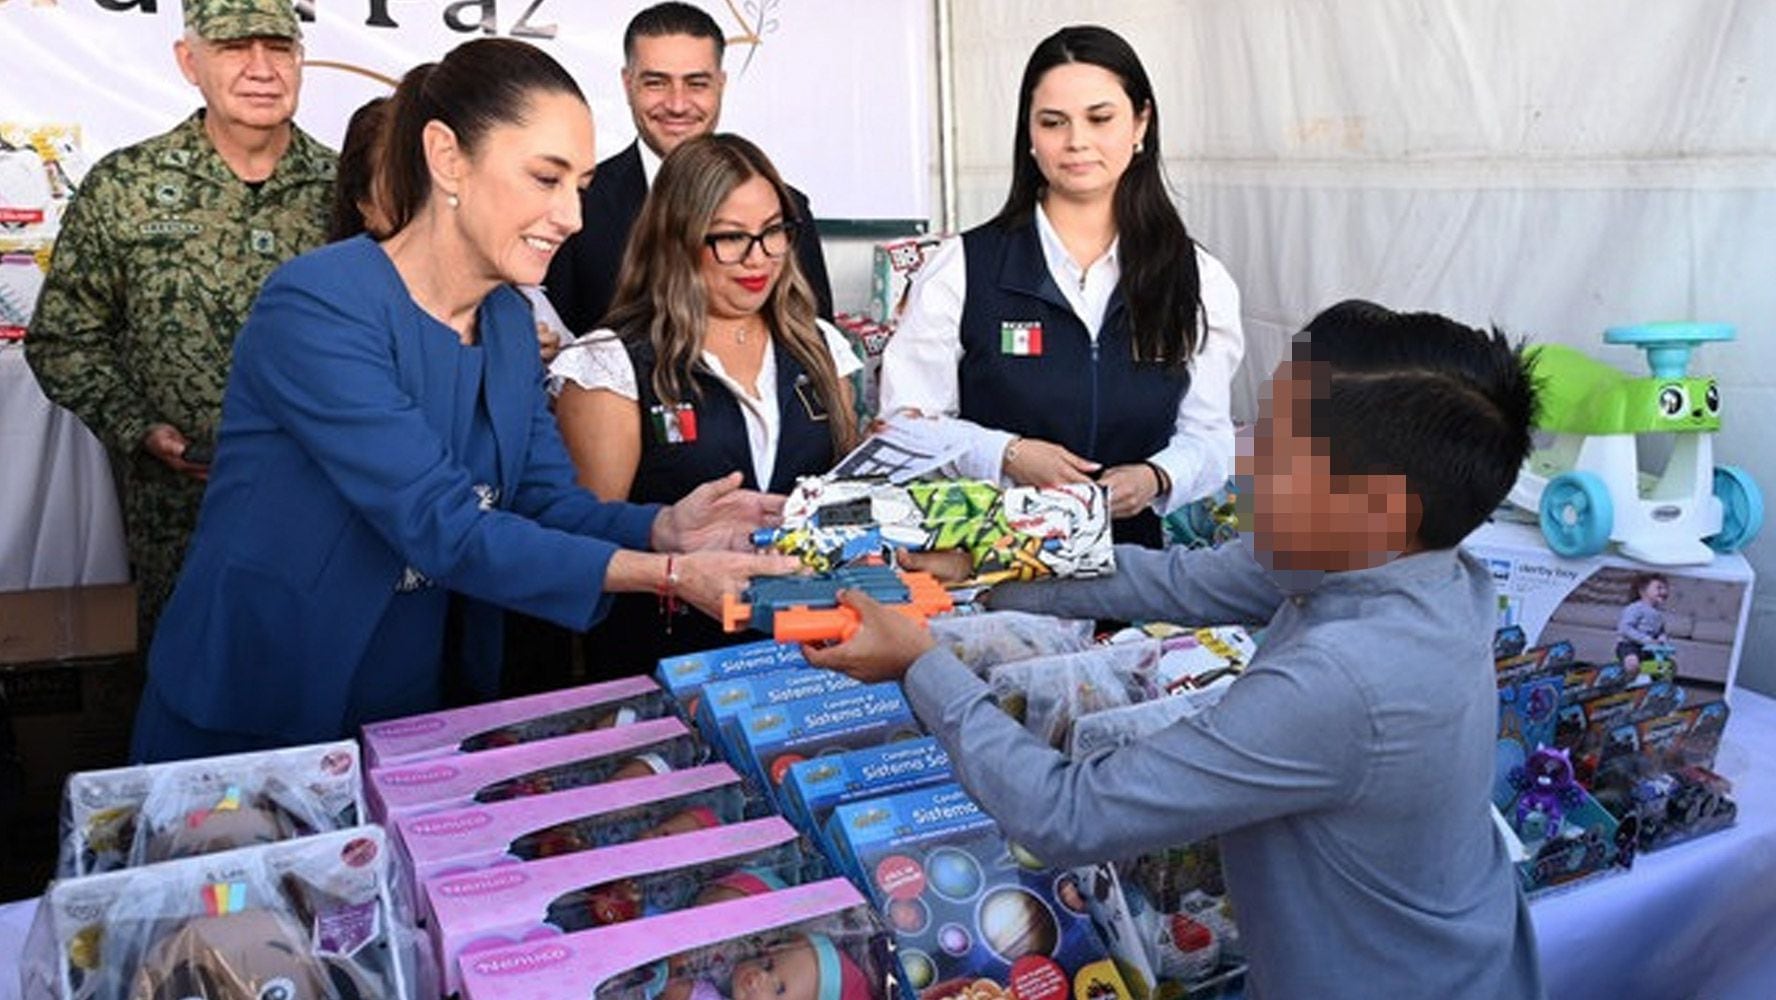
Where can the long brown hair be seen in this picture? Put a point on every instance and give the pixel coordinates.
(660, 298)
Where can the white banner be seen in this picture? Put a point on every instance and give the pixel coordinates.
(835, 91)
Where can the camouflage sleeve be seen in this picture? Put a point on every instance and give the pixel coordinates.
(75, 341)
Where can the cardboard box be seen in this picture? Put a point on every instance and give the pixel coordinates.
(1580, 601)
(66, 623)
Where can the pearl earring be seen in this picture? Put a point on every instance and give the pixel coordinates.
(451, 200)
(1138, 146)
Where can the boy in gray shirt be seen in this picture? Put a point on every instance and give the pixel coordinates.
(1348, 769)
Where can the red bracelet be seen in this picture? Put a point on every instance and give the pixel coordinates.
(669, 595)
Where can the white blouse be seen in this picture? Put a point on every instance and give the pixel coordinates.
(597, 360)
(921, 362)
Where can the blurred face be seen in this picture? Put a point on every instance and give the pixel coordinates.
(246, 82)
(1083, 130)
(519, 194)
(739, 271)
(790, 972)
(674, 86)
(1304, 516)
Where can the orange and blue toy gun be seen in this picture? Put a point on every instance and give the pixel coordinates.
(807, 608)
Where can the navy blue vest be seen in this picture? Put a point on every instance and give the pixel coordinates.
(633, 636)
(1094, 399)
(669, 471)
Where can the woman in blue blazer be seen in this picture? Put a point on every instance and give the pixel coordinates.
(388, 472)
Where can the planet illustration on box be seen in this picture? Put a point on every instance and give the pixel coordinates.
(909, 916)
(1015, 923)
(918, 968)
(953, 874)
(954, 938)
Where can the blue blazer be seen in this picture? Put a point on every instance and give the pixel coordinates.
(329, 483)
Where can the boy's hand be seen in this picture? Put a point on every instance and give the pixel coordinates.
(885, 645)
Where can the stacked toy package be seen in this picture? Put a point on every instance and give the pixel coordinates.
(814, 788)
(625, 752)
(132, 816)
(1047, 693)
(778, 736)
(314, 917)
(973, 916)
(513, 721)
(457, 841)
(685, 676)
(719, 709)
(813, 942)
(612, 885)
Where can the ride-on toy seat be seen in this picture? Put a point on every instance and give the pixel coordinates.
(1586, 484)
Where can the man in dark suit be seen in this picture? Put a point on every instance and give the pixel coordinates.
(672, 79)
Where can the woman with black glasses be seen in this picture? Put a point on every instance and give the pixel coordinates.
(713, 362)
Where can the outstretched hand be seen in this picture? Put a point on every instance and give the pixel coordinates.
(717, 515)
(885, 644)
(703, 577)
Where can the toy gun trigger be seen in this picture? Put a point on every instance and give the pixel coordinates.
(735, 615)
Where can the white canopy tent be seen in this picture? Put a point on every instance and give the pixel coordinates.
(1552, 168)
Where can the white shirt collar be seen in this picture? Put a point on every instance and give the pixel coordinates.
(650, 161)
(1059, 261)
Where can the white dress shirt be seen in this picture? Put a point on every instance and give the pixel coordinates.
(921, 364)
(598, 360)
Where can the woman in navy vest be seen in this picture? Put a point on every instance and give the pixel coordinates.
(713, 362)
(1081, 333)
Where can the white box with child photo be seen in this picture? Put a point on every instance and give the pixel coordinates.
(1688, 621)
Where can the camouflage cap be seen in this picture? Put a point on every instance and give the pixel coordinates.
(225, 20)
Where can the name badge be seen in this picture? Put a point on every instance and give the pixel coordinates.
(673, 424)
(1022, 339)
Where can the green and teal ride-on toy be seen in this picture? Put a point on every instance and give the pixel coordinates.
(1586, 482)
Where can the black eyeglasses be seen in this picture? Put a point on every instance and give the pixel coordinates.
(734, 247)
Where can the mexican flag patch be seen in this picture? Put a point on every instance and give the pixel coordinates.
(675, 424)
(1020, 339)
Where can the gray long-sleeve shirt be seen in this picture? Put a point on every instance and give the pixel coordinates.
(1641, 623)
(1348, 771)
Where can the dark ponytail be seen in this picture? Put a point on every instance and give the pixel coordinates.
(479, 85)
(1160, 281)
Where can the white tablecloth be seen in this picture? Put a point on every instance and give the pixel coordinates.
(59, 521)
(1695, 920)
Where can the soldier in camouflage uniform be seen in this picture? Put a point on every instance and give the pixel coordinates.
(159, 259)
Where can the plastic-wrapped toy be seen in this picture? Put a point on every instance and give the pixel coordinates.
(513, 721)
(1047, 693)
(315, 917)
(1009, 533)
(984, 641)
(1546, 790)
(508, 905)
(136, 815)
(459, 841)
(1587, 486)
(807, 609)
(818, 941)
(625, 752)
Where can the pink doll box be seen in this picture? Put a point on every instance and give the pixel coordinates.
(512, 904)
(614, 963)
(516, 720)
(656, 746)
(458, 841)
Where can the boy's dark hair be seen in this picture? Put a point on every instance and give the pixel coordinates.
(1420, 395)
(673, 18)
(1642, 579)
